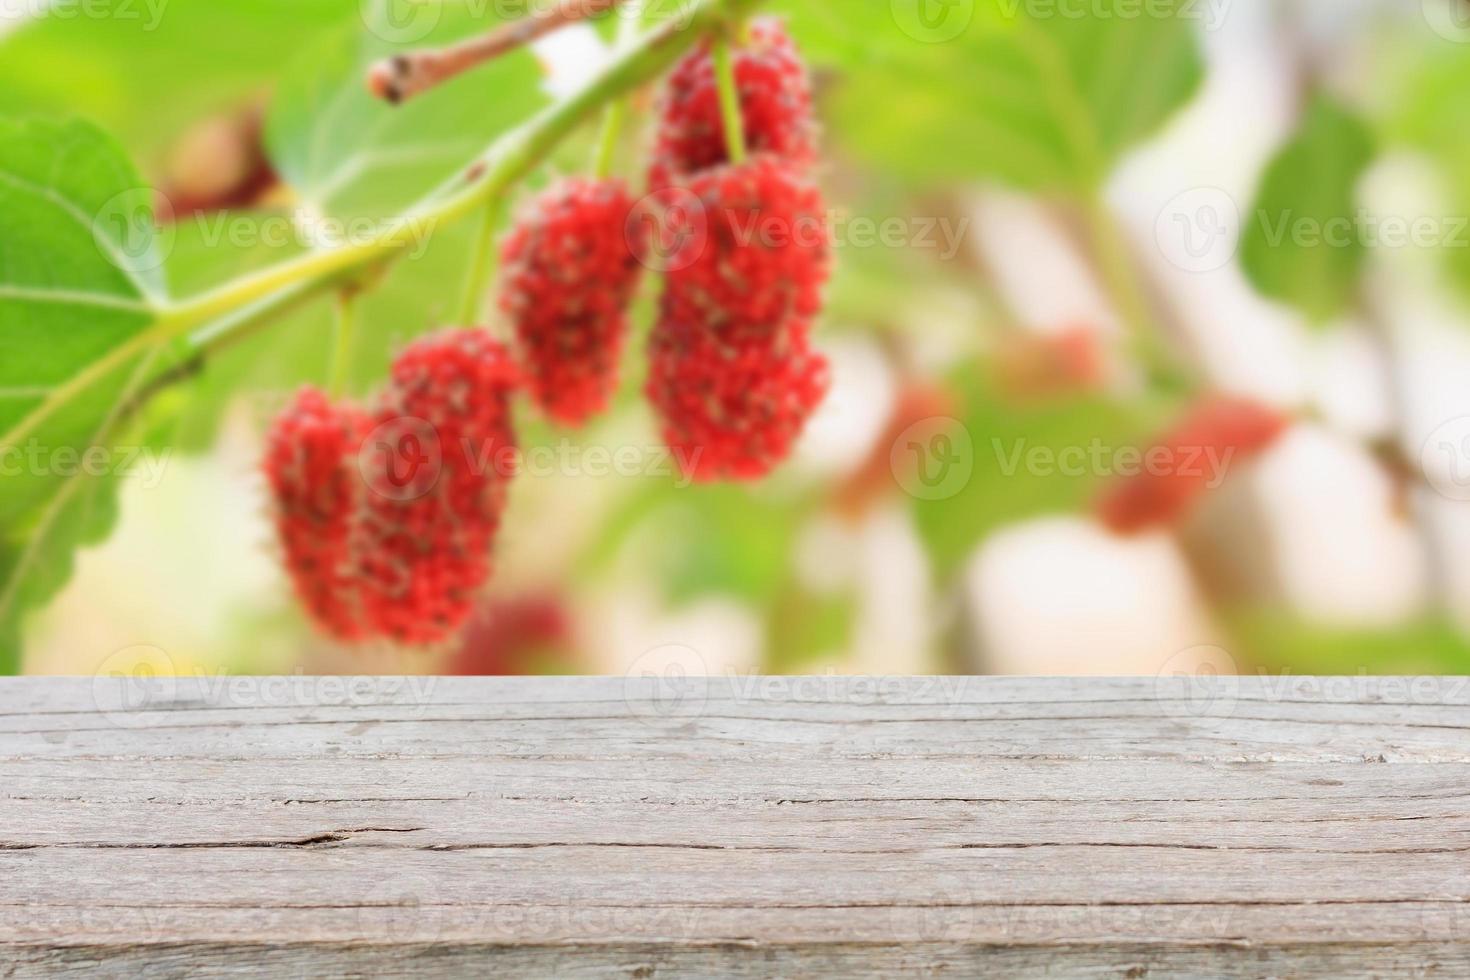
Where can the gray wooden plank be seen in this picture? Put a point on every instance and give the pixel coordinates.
(734, 826)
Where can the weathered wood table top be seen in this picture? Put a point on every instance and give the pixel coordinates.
(741, 826)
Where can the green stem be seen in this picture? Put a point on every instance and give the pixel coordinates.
(607, 142)
(507, 161)
(730, 112)
(347, 309)
(222, 334)
(630, 20)
(482, 267)
(1120, 278)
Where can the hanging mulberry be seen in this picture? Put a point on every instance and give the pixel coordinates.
(733, 411)
(569, 273)
(437, 466)
(311, 468)
(775, 106)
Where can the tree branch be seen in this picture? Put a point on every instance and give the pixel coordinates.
(404, 76)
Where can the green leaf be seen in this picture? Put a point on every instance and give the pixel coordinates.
(725, 541)
(148, 69)
(80, 278)
(350, 155)
(1030, 460)
(1038, 102)
(1303, 242)
(1283, 643)
(1432, 115)
(36, 566)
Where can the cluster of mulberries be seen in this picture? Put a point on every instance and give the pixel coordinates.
(733, 376)
(387, 518)
(569, 273)
(775, 107)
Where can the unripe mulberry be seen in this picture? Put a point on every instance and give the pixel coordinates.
(311, 467)
(733, 411)
(1219, 432)
(219, 164)
(919, 403)
(510, 637)
(754, 254)
(569, 274)
(775, 105)
(437, 465)
(1035, 367)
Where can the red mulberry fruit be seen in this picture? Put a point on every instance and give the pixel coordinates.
(437, 465)
(733, 411)
(311, 466)
(1180, 467)
(775, 104)
(755, 254)
(569, 274)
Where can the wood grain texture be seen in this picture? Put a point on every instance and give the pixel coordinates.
(735, 827)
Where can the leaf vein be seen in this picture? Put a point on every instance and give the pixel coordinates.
(69, 208)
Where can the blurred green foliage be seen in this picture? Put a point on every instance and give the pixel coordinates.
(1280, 642)
(1034, 101)
(1304, 243)
(147, 71)
(81, 276)
(1010, 439)
(1429, 113)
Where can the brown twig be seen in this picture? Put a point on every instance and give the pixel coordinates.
(404, 76)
